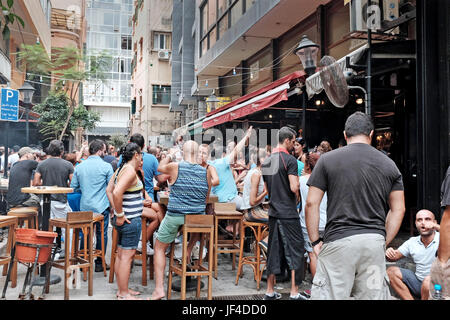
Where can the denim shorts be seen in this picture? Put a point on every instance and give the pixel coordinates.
(410, 279)
(129, 234)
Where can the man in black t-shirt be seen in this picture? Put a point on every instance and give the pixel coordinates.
(364, 212)
(285, 246)
(20, 177)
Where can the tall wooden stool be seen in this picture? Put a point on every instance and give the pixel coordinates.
(260, 231)
(140, 255)
(97, 253)
(75, 221)
(203, 224)
(226, 211)
(10, 223)
(28, 215)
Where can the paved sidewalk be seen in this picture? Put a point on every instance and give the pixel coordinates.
(223, 288)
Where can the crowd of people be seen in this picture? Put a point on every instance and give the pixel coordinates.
(337, 209)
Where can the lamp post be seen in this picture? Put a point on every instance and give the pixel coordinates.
(27, 91)
(307, 52)
(212, 102)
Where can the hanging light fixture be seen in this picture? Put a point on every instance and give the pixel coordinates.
(307, 52)
(212, 102)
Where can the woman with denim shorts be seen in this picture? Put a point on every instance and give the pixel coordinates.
(128, 204)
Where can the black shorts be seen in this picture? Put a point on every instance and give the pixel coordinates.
(286, 247)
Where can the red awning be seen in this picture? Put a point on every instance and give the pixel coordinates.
(253, 102)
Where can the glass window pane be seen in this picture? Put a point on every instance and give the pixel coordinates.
(223, 26)
(204, 21)
(212, 13)
(236, 12)
(212, 37)
(223, 5)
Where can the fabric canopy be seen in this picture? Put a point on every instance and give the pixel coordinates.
(253, 102)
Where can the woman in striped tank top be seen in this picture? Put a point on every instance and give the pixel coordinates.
(127, 187)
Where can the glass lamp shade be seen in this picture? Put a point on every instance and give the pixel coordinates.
(307, 52)
(27, 91)
(212, 102)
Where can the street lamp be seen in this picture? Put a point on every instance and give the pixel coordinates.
(212, 102)
(27, 91)
(307, 52)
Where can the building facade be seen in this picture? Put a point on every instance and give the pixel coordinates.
(37, 29)
(109, 32)
(151, 72)
(244, 51)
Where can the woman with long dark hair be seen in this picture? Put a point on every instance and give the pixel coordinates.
(128, 192)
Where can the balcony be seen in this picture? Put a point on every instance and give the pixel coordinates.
(5, 67)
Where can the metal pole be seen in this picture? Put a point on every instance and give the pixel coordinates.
(27, 143)
(304, 116)
(369, 65)
(5, 163)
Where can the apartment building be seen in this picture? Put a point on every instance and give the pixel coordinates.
(37, 20)
(152, 73)
(109, 32)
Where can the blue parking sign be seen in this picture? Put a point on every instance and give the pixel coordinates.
(9, 105)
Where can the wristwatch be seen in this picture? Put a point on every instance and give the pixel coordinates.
(315, 243)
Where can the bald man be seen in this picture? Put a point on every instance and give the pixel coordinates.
(422, 249)
(190, 184)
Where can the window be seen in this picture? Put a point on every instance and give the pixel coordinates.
(161, 41)
(216, 16)
(161, 94)
(126, 43)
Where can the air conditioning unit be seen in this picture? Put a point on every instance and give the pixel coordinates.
(163, 55)
(389, 11)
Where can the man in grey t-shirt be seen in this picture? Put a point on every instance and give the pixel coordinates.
(364, 212)
(55, 172)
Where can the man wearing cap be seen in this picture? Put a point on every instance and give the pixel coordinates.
(21, 175)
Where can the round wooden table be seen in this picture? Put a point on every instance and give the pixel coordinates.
(46, 207)
(46, 192)
(164, 198)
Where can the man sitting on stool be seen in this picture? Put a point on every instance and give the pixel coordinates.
(422, 249)
(190, 185)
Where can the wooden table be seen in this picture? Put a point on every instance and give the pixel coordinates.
(164, 199)
(44, 219)
(46, 207)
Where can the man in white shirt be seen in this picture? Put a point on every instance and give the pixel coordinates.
(422, 249)
(14, 156)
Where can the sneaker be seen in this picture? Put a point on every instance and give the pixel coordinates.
(307, 293)
(275, 296)
(299, 296)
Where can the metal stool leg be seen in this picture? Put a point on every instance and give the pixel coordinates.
(30, 295)
(8, 277)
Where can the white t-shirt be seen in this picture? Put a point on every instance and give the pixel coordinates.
(13, 159)
(422, 257)
(323, 205)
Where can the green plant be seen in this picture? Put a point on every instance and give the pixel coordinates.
(10, 17)
(118, 141)
(68, 68)
(54, 111)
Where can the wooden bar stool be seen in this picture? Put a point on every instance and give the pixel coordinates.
(203, 224)
(140, 255)
(260, 230)
(10, 223)
(28, 215)
(75, 221)
(97, 253)
(226, 211)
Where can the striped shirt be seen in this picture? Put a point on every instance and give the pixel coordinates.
(133, 202)
(188, 193)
